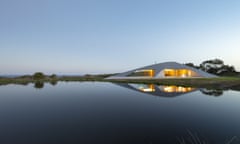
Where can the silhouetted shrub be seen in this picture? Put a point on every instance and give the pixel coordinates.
(53, 76)
(38, 76)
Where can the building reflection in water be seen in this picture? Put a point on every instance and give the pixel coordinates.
(180, 89)
(144, 87)
(163, 91)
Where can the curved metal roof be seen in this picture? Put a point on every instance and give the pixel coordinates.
(160, 67)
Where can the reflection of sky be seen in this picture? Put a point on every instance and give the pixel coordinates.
(113, 36)
(91, 111)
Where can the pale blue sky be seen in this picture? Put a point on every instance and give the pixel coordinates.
(105, 36)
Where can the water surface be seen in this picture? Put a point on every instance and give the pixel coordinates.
(95, 112)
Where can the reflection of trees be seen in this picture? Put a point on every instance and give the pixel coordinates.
(53, 83)
(235, 88)
(39, 85)
(212, 92)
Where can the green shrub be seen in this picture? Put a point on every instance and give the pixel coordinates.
(38, 76)
(53, 76)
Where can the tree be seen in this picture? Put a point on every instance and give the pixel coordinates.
(217, 66)
(192, 65)
(38, 76)
(53, 76)
(211, 65)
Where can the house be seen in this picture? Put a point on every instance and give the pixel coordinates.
(163, 70)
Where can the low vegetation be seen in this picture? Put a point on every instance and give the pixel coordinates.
(40, 77)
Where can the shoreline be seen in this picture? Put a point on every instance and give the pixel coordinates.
(220, 82)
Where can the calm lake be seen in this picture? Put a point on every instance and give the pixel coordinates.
(107, 113)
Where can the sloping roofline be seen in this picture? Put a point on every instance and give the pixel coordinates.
(160, 67)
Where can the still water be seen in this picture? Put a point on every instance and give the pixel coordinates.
(106, 113)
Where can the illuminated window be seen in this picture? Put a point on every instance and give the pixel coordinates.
(169, 72)
(179, 73)
(145, 73)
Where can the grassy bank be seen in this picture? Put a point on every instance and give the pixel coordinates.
(24, 80)
(220, 82)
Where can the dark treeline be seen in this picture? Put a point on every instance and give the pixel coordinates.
(42, 76)
(39, 78)
(217, 67)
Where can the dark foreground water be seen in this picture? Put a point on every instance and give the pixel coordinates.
(105, 113)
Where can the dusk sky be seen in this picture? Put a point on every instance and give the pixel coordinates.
(108, 36)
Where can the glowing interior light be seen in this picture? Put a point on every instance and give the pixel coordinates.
(148, 88)
(147, 72)
(171, 89)
(178, 73)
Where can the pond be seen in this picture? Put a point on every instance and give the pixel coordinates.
(107, 113)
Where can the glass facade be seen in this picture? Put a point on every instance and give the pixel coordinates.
(179, 73)
(143, 73)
